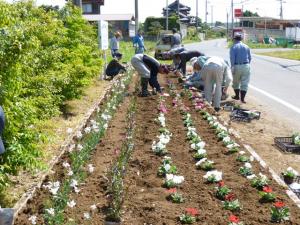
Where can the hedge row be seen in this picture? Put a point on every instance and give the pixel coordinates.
(46, 57)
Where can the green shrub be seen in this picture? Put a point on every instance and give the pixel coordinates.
(46, 57)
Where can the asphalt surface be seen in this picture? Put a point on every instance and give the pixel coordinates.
(275, 82)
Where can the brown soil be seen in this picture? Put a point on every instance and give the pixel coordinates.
(145, 200)
(260, 135)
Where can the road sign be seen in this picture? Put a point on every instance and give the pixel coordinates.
(238, 13)
(103, 33)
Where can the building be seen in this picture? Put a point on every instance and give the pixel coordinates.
(117, 22)
(184, 12)
(90, 6)
(258, 28)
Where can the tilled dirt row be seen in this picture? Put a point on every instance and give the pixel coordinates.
(146, 200)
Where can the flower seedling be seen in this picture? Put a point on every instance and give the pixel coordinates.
(246, 170)
(174, 196)
(207, 165)
(167, 168)
(267, 194)
(260, 182)
(243, 158)
(296, 138)
(234, 220)
(279, 212)
(213, 176)
(222, 190)
(172, 180)
(190, 216)
(231, 203)
(200, 154)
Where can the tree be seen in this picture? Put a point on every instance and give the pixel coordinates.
(155, 28)
(248, 13)
(218, 23)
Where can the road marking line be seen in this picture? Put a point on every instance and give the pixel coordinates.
(288, 105)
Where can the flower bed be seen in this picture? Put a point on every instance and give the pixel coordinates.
(186, 168)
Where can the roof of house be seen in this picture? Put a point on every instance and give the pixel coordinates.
(181, 6)
(109, 17)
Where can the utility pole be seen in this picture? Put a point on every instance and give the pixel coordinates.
(232, 15)
(197, 14)
(167, 15)
(281, 9)
(136, 16)
(212, 14)
(206, 11)
(227, 25)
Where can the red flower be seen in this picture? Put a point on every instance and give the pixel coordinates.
(172, 190)
(267, 189)
(192, 211)
(234, 219)
(279, 204)
(229, 197)
(221, 183)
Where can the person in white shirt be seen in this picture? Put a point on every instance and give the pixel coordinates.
(215, 71)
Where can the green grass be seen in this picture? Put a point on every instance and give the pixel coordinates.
(295, 55)
(256, 45)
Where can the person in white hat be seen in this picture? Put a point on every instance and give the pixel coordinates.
(240, 59)
(2, 125)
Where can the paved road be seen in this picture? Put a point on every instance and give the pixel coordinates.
(275, 82)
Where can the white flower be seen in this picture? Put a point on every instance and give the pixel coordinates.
(199, 145)
(71, 147)
(87, 130)
(70, 173)
(91, 168)
(217, 174)
(290, 169)
(201, 161)
(78, 135)
(66, 165)
(242, 152)
(71, 204)
(230, 146)
(248, 165)
(32, 219)
(86, 216)
(167, 167)
(53, 187)
(251, 158)
(105, 126)
(226, 139)
(176, 179)
(76, 190)
(93, 207)
(263, 177)
(73, 183)
(201, 151)
(93, 122)
(167, 157)
(50, 211)
(79, 147)
(69, 130)
(251, 177)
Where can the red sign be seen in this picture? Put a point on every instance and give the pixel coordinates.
(238, 12)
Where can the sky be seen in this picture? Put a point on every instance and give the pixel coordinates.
(271, 8)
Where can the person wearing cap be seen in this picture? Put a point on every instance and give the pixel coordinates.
(2, 125)
(194, 80)
(240, 59)
(148, 68)
(138, 43)
(176, 40)
(114, 67)
(180, 59)
(216, 72)
(115, 43)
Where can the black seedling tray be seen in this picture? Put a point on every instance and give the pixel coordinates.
(242, 116)
(296, 191)
(286, 144)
